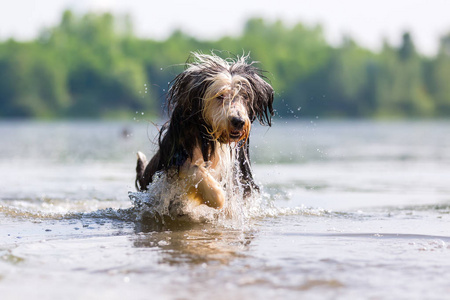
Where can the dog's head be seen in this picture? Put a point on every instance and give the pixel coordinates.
(226, 96)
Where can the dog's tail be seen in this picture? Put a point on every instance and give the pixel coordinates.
(140, 169)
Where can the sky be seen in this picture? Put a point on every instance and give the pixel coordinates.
(368, 22)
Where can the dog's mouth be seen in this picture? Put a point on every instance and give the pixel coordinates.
(236, 135)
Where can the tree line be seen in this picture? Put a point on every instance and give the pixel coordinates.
(93, 66)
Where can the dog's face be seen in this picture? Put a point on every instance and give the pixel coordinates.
(225, 107)
(224, 96)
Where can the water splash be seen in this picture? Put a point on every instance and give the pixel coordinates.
(166, 200)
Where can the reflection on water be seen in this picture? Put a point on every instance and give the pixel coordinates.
(204, 244)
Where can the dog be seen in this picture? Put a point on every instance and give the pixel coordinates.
(212, 105)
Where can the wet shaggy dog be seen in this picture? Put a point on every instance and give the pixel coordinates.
(212, 105)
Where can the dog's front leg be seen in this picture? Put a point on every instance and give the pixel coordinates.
(202, 185)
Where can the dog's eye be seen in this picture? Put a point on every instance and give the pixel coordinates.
(220, 97)
(245, 96)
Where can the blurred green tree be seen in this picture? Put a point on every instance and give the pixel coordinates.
(94, 66)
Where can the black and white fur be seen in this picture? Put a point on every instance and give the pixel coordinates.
(212, 105)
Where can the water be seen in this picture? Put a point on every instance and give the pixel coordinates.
(350, 210)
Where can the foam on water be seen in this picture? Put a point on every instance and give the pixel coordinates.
(57, 209)
(159, 205)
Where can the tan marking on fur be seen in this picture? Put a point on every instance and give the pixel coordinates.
(202, 178)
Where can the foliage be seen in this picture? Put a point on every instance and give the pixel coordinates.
(93, 66)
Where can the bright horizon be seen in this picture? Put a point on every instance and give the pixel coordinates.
(369, 23)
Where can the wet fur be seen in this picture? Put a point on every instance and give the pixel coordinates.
(204, 102)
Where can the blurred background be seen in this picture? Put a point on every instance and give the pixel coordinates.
(110, 59)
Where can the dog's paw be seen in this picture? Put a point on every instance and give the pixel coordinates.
(213, 195)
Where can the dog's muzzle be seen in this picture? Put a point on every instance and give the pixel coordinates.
(237, 128)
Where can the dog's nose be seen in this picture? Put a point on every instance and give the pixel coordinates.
(237, 122)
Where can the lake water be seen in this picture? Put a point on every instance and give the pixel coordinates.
(349, 210)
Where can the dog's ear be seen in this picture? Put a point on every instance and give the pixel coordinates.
(263, 100)
(185, 94)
